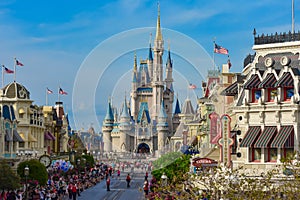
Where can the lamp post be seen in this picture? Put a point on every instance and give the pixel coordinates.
(164, 180)
(26, 173)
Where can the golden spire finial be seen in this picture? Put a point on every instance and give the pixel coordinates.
(135, 63)
(158, 30)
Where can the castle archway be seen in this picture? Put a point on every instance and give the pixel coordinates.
(143, 148)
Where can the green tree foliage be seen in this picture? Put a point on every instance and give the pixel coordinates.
(37, 171)
(175, 165)
(9, 180)
(89, 160)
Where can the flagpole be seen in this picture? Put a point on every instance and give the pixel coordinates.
(15, 74)
(58, 94)
(46, 97)
(293, 17)
(2, 76)
(214, 53)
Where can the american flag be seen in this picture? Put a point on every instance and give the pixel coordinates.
(19, 63)
(61, 91)
(220, 50)
(8, 71)
(49, 91)
(192, 86)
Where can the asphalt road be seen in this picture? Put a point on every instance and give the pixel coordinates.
(118, 188)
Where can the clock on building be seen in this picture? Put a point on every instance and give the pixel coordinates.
(45, 160)
(269, 62)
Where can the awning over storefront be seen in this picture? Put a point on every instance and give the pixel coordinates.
(268, 82)
(17, 137)
(286, 80)
(251, 136)
(265, 138)
(8, 135)
(285, 138)
(29, 139)
(48, 136)
(231, 90)
(253, 82)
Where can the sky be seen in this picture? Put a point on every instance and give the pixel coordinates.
(87, 47)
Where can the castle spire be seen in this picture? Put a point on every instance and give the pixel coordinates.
(135, 63)
(158, 29)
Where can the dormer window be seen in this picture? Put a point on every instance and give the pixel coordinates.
(272, 94)
(256, 94)
(288, 93)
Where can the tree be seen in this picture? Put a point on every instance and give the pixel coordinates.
(9, 180)
(37, 171)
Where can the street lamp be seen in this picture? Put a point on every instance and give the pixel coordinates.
(26, 173)
(164, 179)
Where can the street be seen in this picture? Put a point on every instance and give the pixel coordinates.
(118, 188)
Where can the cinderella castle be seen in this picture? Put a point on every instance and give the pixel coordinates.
(146, 121)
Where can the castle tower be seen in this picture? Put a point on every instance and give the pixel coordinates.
(134, 85)
(176, 118)
(169, 92)
(162, 128)
(125, 128)
(150, 63)
(157, 80)
(107, 128)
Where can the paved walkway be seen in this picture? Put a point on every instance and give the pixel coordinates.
(118, 188)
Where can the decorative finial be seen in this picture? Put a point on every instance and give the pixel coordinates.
(169, 44)
(254, 32)
(158, 30)
(150, 38)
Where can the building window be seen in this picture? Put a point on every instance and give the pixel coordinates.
(256, 94)
(256, 155)
(272, 154)
(288, 93)
(21, 144)
(272, 94)
(286, 152)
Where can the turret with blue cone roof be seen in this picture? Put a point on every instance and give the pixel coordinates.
(107, 128)
(162, 129)
(124, 127)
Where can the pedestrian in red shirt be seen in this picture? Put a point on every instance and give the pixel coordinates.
(108, 184)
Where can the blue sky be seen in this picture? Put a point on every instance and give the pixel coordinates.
(57, 39)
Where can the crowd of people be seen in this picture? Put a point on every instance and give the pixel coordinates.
(69, 187)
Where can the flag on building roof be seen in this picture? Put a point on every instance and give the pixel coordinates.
(220, 50)
(49, 91)
(228, 62)
(61, 91)
(19, 63)
(8, 71)
(192, 86)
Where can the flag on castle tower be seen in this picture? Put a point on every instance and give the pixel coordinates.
(61, 91)
(19, 63)
(192, 86)
(228, 62)
(220, 50)
(8, 71)
(49, 91)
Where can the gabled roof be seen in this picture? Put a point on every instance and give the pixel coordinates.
(187, 107)
(177, 107)
(144, 112)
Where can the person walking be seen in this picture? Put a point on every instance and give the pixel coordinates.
(108, 184)
(146, 176)
(128, 179)
(74, 191)
(146, 188)
(118, 172)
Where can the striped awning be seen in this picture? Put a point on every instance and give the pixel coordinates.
(253, 82)
(8, 135)
(231, 90)
(265, 138)
(268, 82)
(286, 80)
(285, 138)
(48, 136)
(17, 137)
(251, 136)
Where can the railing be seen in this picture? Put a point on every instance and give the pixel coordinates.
(277, 38)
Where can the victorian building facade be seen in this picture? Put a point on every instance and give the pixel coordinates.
(266, 101)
